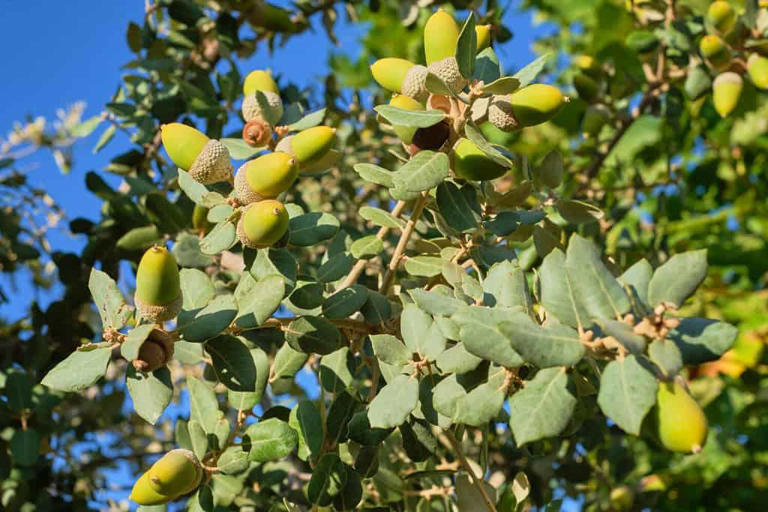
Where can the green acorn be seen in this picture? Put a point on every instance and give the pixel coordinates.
(265, 177)
(726, 91)
(206, 160)
(721, 16)
(261, 81)
(587, 87)
(483, 36)
(177, 473)
(401, 76)
(682, 425)
(405, 133)
(757, 68)
(262, 224)
(715, 51)
(158, 291)
(155, 352)
(529, 106)
(471, 163)
(441, 34)
(308, 146)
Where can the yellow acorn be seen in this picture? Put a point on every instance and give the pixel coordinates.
(721, 16)
(715, 51)
(594, 119)
(529, 106)
(469, 162)
(757, 67)
(261, 81)
(262, 224)
(308, 146)
(726, 91)
(177, 473)
(158, 289)
(682, 425)
(206, 160)
(405, 133)
(401, 76)
(264, 177)
(587, 87)
(483, 33)
(155, 352)
(441, 34)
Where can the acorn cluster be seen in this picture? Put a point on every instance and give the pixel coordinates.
(527, 106)
(727, 51)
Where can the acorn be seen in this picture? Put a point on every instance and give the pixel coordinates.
(471, 163)
(206, 160)
(158, 289)
(483, 36)
(529, 106)
(265, 177)
(715, 51)
(587, 87)
(721, 16)
(261, 81)
(726, 91)
(177, 473)
(308, 146)
(405, 133)
(757, 68)
(441, 34)
(262, 224)
(155, 352)
(682, 425)
(401, 76)
(430, 138)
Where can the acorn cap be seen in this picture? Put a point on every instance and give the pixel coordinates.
(447, 70)
(262, 224)
(158, 313)
(500, 114)
(212, 165)
(251, 108)
(178, 472)
(441, 34)
(155, 352)
(415, 83)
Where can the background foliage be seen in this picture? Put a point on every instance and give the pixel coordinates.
(668, 175)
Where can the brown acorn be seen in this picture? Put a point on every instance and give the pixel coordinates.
(155, 352)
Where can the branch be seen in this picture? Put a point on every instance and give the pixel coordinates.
(404, 237)
(475, 481)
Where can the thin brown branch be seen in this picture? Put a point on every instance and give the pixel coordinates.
(401, 244)
(477, 482)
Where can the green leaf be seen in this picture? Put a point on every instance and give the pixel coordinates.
(113, 310)
(239, 149)
(425, 170)
(232, 363)
(487, 66)
(666, 355)
(501, 86)
(645, 132)
(276, 262)
(542, 408)
(308, 121)
(335, 268)
(339, 414)
(221, 238)
(181, 435)
(375, 174)
(413, 118)
(366, 247)
(328, 479)
(466, 47)
(627, 392)
(257, 300)
(377, 308)
(436, 303)
(469, 497)
(476, 136)
(482, 404)
(305, 419)
(345, 302)
(312, 334)
(246, 400)
(288, 361)
(134, 339)
(312, 228)
(139, 239)
(420, 333)
(194, 190)
(80, 370)
(337, 370)
(529, 73)
(578, 212)
(360, 431)
(394, 402)
(446, 395)
(25, 447)
(187, 252)
(233, 461)
(678, 278)
(553, 345)
(701, 339)
(390, 349)
(270, 439)
(638, 276)
(425, 266)
(196, 288)
(506, 285)
(203, 405)
(557, 292)
(596, 288)
(150, 392)
(380, 217)
(198, 438)
(198, 325)
(482, 336)
(624, 334)
(458, 206)
(457, 360)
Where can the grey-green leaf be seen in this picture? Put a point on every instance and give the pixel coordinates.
(553, 345)
(151, 392)
(557, 294)
(312, 228)
(81, 369)
(221, 238)
(627, 392)
(394, 402)
(270, 439)
(425, 170)
(678, 278)
(703, 339)
(257, 300)
(113, 310)
(542, 408)
(412, 118)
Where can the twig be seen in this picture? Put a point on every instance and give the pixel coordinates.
(404, 237)
(475, 480)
